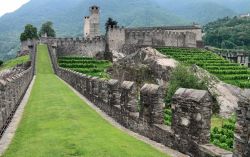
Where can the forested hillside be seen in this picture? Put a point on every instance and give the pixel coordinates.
(199, 11)
(229, 33)
(67, 15)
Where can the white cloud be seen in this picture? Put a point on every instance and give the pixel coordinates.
(7, 6)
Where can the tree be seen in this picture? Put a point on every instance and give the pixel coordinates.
(47, 28)
(30, 32)
(110, 23)
(1, 62)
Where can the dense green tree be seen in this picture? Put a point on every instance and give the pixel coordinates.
(30, 32)
(47, 28)
(1, 62)
(110, 22)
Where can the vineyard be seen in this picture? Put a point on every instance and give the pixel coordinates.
(223, 135)
(226, 71)
(86, 65)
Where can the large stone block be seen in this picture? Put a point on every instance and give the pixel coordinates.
(242, 132)
(192, 110)
(151, 101)
(128, 97)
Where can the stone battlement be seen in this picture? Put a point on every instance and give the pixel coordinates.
(12, 90)
(191, 27)
(119, 101)
(77, 46)
(144, 33)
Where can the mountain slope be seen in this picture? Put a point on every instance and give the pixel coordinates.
(228, 33)
(201, 11)
(68, 17)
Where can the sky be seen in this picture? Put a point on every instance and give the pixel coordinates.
(7, 6)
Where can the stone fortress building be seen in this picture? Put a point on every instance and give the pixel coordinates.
(176, 36)
(125, 40)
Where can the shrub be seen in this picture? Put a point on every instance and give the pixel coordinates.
(168, 116)
(182, 77)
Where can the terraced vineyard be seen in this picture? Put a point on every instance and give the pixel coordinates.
(86, 65)
(226, 71)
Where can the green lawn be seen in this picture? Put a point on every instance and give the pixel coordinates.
(57, 123)
(13, 62)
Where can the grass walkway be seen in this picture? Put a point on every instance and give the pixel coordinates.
(57, 123)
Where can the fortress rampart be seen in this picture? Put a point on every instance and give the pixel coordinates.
(77, 46)
(179, 36)
(126, 40)
(12, 90)
(119, 100)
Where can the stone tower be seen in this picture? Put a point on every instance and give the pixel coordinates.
(92, 23)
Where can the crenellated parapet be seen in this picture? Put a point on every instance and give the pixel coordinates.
(12, 90)
(117, 37)
(145, 115)
(77, 46)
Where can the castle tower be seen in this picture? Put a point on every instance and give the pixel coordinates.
(92, 23)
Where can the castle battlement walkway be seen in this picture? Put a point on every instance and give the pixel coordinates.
(56, 123)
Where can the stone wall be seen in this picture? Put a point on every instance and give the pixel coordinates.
(242, 133)
(237, 56)
(12, 91)
(119, 100)
(186, 36)
(13, 88)
(127, 40)
(191, 118)
(83, 47)
(145, 116)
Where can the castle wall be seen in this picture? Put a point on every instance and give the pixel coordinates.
(70, 46)
(12, 90)
(116, 38)
(119, 101)
(160, 37)
(126, 39)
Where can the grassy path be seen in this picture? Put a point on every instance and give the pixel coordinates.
(57, 123)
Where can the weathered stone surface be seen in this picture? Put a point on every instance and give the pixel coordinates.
(11, 92)
(128, 97)
(151, 101)
(242, 132)
(144, 65)
(210, 150)
(192, 110)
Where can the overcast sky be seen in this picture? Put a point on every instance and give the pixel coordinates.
(7, 6)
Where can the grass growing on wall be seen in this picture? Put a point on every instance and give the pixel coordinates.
(13, 62)
(57, 123)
